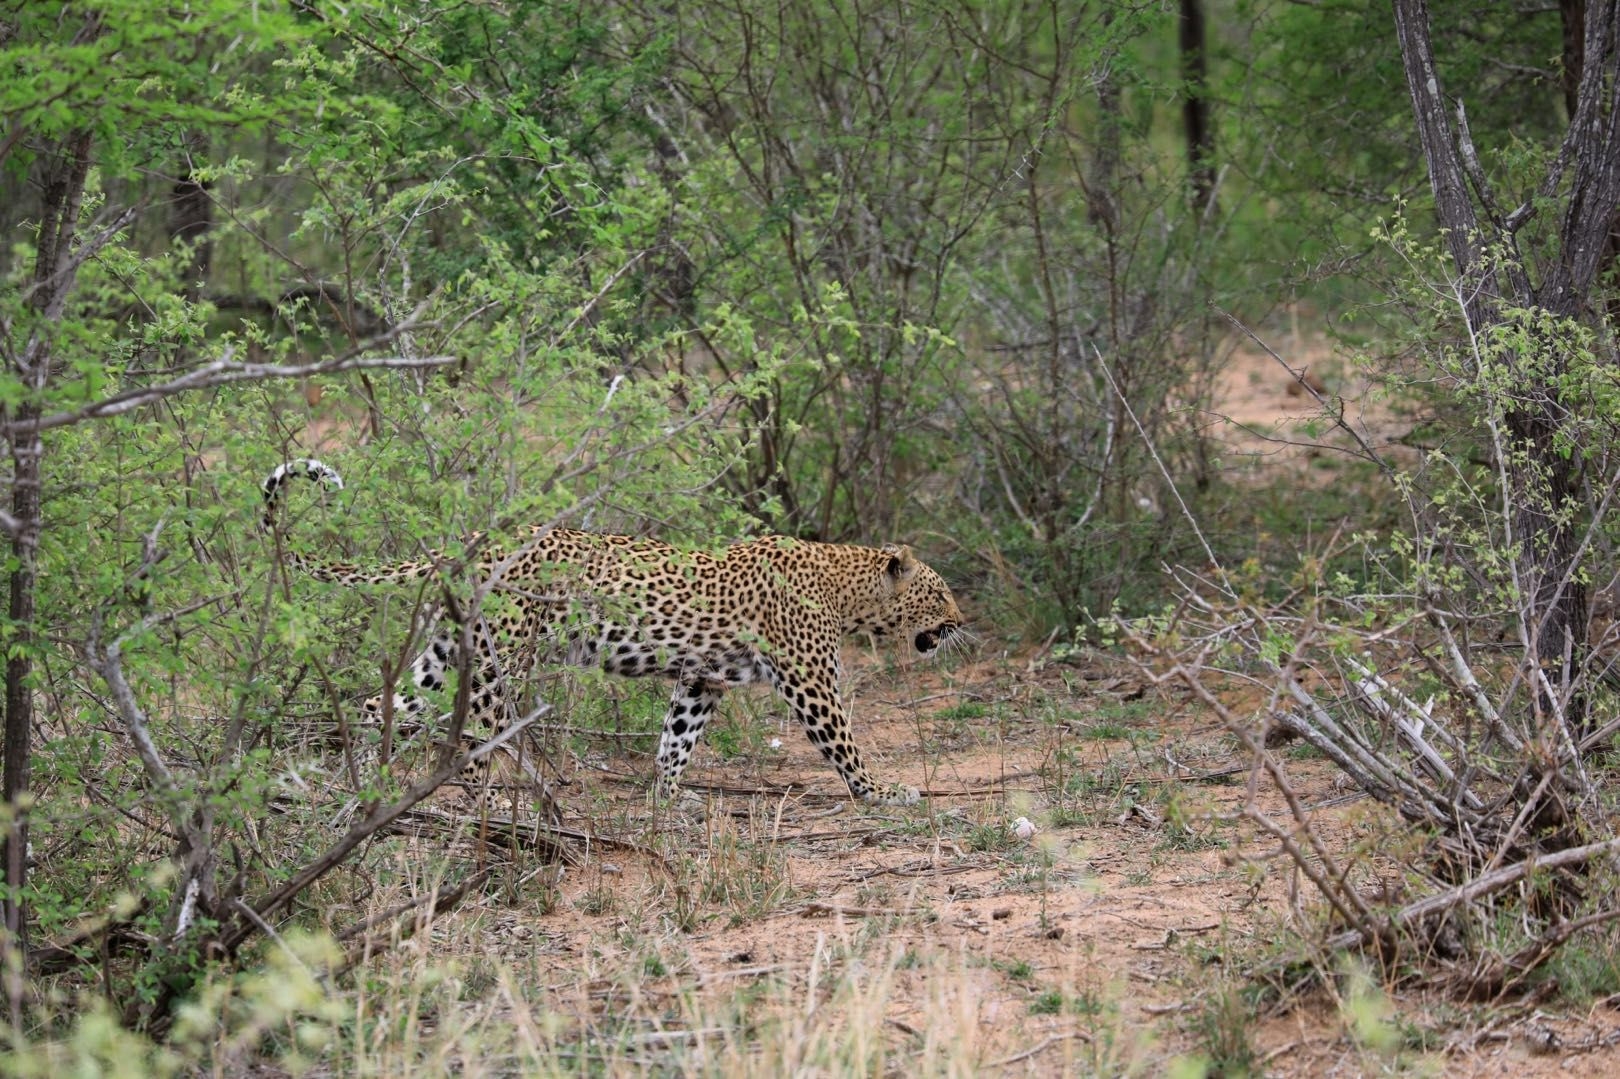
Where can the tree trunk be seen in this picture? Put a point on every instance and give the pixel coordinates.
(1572, 14)
(67, 166)
(191, 219)
(1588, 165)
(1195, 110)
(19, 719)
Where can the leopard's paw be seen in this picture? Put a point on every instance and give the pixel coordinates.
(893, 796)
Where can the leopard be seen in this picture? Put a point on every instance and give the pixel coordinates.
(770, 610)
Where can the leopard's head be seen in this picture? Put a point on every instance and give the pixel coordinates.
(912, 602)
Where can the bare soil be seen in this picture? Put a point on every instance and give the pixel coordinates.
(1109, 940)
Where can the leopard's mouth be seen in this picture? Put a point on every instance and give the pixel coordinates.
(929, 640)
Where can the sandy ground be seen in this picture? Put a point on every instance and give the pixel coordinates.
(1103, 942)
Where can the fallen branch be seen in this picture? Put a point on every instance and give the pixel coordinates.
(812, 910)
(509, 831)
(1478, 888)
(1040, 1047)
(1379, 697)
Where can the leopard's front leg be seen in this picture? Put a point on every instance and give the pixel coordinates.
(816, 703)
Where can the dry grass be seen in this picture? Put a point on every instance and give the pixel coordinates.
(785, 931)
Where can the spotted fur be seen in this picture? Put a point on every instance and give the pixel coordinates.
(770, 610)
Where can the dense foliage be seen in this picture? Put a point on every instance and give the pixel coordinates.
(923, 270)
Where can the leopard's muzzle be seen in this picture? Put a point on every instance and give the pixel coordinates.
(929, 640)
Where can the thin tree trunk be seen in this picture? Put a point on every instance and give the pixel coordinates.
(67, 168)
(191, 218)
(1195, 109)
(19, 715)
(19, 718)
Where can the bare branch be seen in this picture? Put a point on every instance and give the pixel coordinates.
(1164, 471)
(1320, 868)
(1474, 170)
(107, 662)
(1464, 674)
(590, 305)
(221, 372)
(1481, 886)
(1390, 704)
(83, 253)
(377, 820)
(436, 901)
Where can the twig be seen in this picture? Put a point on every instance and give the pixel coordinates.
(1164, 471)
(612, 279)
(64, 954)
(1337, 415)
(1040, 1047)
(1528, 958)
(1375, 775)
(997, 791)
(1321, 869)
(510, 830)
(811, 910)
(1462, 675)
(86, 251)
(268, 930)
(1285, 1047)
(410, 904)
(593, 732)
(441, 902)
(948, 694)
(666, 1037)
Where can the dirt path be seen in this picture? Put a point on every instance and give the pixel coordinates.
(775, 917)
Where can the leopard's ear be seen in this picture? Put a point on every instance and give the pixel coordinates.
(902, 564)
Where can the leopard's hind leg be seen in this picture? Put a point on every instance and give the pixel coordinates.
(690, 706)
